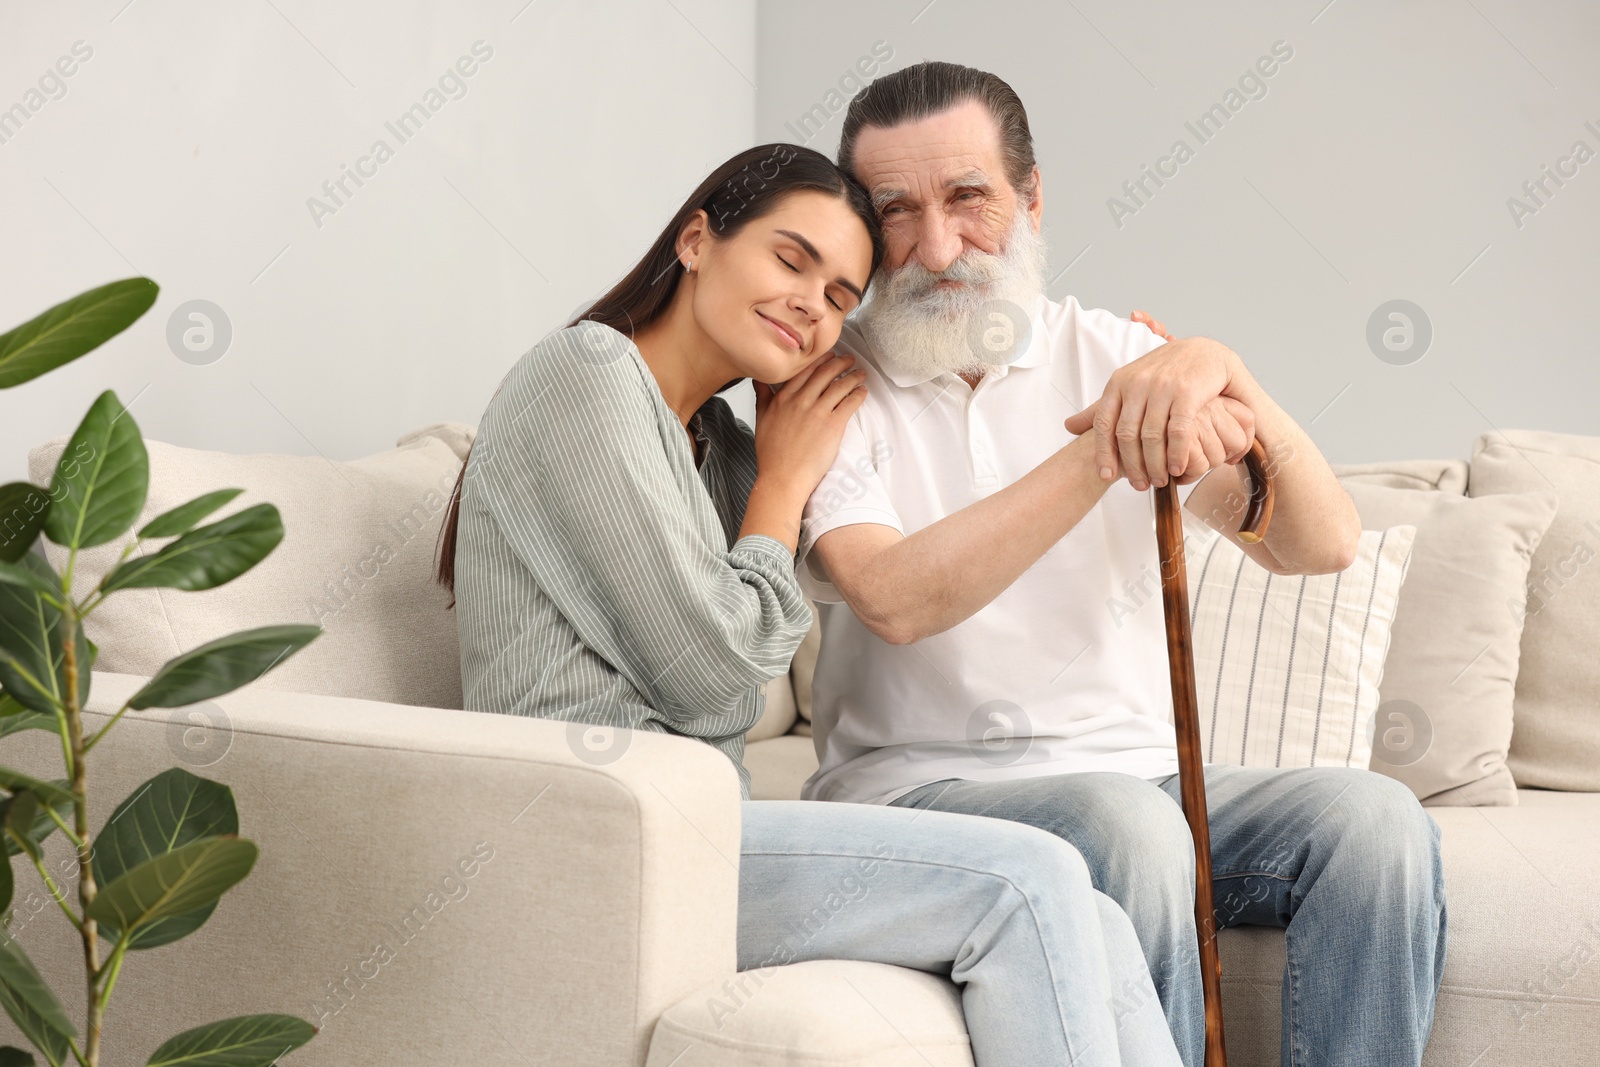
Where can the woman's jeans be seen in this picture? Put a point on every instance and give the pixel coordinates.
(1050, 969)
(1347, 854)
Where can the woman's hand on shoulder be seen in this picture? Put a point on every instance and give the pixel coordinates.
(800, 422)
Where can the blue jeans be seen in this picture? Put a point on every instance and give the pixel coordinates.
(1345, 858)
(1004, 910)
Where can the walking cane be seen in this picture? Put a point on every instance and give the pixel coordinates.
(1186, 716)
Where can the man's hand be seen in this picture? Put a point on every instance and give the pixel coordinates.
(1145, 421)
(1223, 432)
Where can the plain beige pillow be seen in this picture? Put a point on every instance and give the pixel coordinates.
(1454, 652)
(356, 558)
(1556, 741)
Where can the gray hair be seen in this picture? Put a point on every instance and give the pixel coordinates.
(933, 86)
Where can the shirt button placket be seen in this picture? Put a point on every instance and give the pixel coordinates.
(981, 448)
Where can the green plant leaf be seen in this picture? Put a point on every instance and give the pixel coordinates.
(24, 577)
(245, 1041)
(20, 979)
(26, 720)
(42, 824)
(14, 717)
(49, 792)
(181, 518)
(167, 812)
(30, 645)
(23, 507)
(102, 478)
(15, 1057)
(174, 882)
(8, 887)
(22, 812)
(206, 557)
(35, 1028)
(72, 328)
(221, 666)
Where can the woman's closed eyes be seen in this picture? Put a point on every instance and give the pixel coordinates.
(796, 269)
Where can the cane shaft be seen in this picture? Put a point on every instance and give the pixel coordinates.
(1191, 772)
(1186, 718)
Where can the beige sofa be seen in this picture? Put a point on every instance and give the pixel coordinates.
(447, 887)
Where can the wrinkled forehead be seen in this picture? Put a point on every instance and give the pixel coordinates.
(957, 146)
(931, 182)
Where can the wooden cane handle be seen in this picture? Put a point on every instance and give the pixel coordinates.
(1258, 512)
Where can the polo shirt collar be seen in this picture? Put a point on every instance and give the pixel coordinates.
(1037, 354)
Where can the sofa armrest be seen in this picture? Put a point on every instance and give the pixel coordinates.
(433, 886)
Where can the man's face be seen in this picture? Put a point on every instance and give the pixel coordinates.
(963, 252)
(940, 186)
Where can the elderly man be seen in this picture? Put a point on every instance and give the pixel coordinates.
(962, 551)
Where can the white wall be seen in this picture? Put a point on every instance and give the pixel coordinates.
(1377, 166)
(187, 145)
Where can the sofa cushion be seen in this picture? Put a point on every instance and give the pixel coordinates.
(1446, 699)
(1440, 475)
(1556, 740)
(778, 715)
(805, 664)
(821, 1012)
(1287, 668)
(1521, 973)
(779, 766)
(356, 558)
(1529, 988)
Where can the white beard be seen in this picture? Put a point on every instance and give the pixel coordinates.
(923, 331)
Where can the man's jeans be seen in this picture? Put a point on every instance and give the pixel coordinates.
(1004, 910)
(1347, 854)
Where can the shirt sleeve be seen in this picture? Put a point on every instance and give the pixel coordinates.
(851, 492)
(580, 481)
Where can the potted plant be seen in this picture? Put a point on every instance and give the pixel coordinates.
(158, 867)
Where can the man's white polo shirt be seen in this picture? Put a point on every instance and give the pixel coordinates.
(1064, 671)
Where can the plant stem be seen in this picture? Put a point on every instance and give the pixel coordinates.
(113, 965)
(61, 898)
(48, 810)
(49, 695)
(87, 745)
(66, 746)
(93, 600)
(80, 813)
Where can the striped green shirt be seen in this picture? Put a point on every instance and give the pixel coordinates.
(594, 578)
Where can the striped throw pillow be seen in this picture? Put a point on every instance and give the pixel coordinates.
(1287, 668)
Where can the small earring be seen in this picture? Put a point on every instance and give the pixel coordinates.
(689, 266)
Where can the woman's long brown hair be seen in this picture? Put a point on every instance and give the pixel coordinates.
(743, 189)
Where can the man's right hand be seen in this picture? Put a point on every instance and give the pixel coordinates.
(1144, 420)
(1224, 429)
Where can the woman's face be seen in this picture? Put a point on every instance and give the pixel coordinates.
(774, 296)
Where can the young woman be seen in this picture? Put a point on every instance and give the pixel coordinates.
(622, 553)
